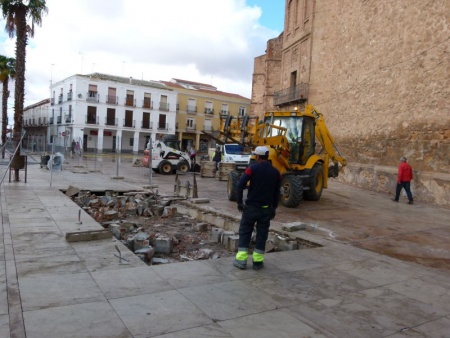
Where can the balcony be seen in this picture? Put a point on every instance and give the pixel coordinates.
(89, 119)
(44, 121)
(147, 125)
(129, 123)
(60, 98)
(191, 109)
(224, 112)
(209, 111)
(58, 120)
(68, 119)
(164, 106)
(130, 102)
(52, 101)
(208, 128)
(69, 96)
(147, 103)
(163, 126)
(190, 127)
(111, 99)
(111, 121)
(291, 95)
(50, 120)
(92, 97)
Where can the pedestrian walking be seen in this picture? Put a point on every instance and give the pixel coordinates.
(77, 149)
(404, 178)
(73, 147)
(259, 208)
(192, 154)
(217, 157)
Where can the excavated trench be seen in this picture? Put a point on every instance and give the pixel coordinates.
(159, 230)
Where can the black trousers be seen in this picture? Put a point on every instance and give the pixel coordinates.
(403, 185)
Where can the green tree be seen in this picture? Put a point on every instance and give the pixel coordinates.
(7, 72)
(17, 13)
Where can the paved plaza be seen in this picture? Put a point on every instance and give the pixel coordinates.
(346, 287)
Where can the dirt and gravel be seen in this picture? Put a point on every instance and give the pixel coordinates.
(417, 233)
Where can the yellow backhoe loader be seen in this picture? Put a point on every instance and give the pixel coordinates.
(291, 136)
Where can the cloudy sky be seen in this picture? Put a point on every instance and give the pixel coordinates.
(209, 41)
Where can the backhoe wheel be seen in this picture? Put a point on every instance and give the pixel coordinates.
(233, 179)
(291, 192)
(315, 183)
(183, 166)
(165, 167)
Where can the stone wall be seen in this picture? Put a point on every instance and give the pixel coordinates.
(380, 74)
(266, 77)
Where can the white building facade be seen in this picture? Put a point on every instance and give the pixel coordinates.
(35, 122)
(106, 113)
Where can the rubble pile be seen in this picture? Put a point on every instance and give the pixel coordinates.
(150, 227)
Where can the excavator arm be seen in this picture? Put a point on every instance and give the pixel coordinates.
(326, 140)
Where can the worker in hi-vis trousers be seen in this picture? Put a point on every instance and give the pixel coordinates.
(259, 208)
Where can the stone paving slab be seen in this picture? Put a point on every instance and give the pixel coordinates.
(132, 281)
(150, 315)
(52, 291)
(262, 325)
(91, 319)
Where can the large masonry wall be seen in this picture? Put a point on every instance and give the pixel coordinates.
(380, 74)
(266, 77)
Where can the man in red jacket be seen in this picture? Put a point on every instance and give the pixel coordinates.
(404, 178)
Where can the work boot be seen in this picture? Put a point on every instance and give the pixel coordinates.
(410, 202)
(258, 265)
(240, 265)
(394, 200)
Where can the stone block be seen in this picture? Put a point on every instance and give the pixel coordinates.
(207, 217)
(285, 243)
(115, 230)
(156, 260)
(295, 226)
(93, 235)
(215, 235)
(219, 222)
(269, 245)
(146, 252)
(232, 244)
(170, 211)
(72, 191)
(199, 200)
(140, 244)
(163, 245)
(225, 236)
(192, 212)
(141, 236)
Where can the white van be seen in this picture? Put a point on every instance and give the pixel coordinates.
(236, 153)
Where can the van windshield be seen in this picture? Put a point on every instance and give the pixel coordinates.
(235, 149)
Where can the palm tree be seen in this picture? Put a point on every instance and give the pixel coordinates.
(7, 72)
(16, 13)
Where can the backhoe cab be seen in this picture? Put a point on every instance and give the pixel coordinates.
(304, 163)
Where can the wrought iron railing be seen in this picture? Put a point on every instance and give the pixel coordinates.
(298, 93)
